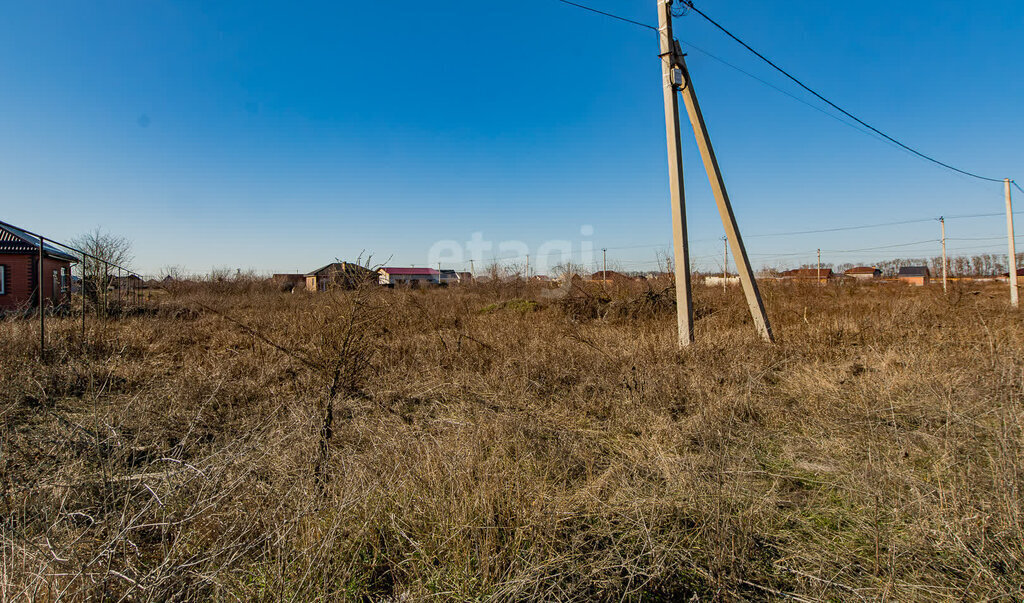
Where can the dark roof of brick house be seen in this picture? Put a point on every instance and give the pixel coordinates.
(341, 268)
(913, 271)
(13, 240)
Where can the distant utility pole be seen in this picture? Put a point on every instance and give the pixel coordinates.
(472, 271)
(527, 266)
(671, 76)
(604, 266)
(725, 262)
(942, 222)
(819, 265)
(677, 76)
(1012, 260)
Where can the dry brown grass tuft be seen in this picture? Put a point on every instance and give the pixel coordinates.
(505, 442)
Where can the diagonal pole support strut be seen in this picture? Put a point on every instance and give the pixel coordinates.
(732, 231)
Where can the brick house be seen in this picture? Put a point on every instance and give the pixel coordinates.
(808, 274)
(338, 275)
(864, 273)
(19, 272)
(914, 275)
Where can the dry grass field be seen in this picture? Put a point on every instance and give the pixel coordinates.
(498, 442)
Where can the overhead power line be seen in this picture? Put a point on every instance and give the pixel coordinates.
(607, 14)
(837, 229)
(785, 92)
(689, 4)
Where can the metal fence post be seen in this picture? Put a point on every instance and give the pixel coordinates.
(81, 290)
(42, 304)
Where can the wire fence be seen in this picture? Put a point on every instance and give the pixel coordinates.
(125, 283)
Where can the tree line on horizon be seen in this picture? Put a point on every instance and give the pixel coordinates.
(980, 265)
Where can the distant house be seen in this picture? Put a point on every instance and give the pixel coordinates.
(449, 277)
(19, 271)
(391, 275)
(289, 281)
(864, 273)
(288, 278)
(452, 277)
(914, 275)
(608, 277)
(721, 281)
(1006, 275)
(339, 275)
(126, 283)
(807, 274)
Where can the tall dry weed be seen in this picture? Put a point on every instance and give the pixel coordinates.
(496, 442)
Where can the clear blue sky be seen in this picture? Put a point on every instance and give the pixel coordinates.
(279, 136)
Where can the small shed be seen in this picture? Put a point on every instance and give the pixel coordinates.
(914, 275)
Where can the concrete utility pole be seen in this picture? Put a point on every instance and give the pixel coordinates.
(1012, 260)
(732, 230)
(942, 222)
(671, 76)
(472, 271)
(527, 266)
(725, 262)
(819, 266)
(604, 266)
